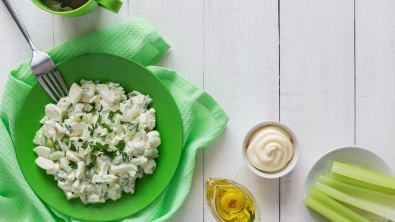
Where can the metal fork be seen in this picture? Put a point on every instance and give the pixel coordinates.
(41, 64)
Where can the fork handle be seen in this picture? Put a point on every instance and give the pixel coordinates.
(11, 8)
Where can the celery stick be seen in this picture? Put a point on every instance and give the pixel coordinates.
(330, 208)
(375, 202)
(362, 178)
(360, 183)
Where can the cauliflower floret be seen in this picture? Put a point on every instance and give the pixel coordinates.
(147, 119)
(153, 139)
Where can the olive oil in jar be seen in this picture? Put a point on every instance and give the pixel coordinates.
(231, 202)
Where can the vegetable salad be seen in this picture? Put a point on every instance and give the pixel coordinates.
(98, 141)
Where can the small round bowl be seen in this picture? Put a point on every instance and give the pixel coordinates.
(291, 163)
(355, 156)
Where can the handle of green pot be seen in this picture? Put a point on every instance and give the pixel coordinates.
(112, 5)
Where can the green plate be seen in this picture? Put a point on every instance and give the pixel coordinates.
(132, 76)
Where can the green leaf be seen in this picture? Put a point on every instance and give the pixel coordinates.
(73, 148)
(93, 104)
(109, 130)
(121, 145)
(68, 127)
(98, 121)
(125, 157)
(112, 113)
(66, 139)
(73, 165)
(80, 140)
(91, 131)
(84, 145)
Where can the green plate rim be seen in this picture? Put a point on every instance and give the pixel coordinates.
(129, 60)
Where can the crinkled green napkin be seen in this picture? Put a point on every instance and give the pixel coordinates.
(202, 118)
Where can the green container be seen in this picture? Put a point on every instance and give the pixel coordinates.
(112, 5)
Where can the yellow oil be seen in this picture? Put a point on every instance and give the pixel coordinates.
(228, 201)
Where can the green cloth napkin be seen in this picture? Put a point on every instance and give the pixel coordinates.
(202, 118)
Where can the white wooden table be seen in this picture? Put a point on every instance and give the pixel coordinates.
(326, 68)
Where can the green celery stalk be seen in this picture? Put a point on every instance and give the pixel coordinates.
(372, 201)
(362, 178)
(330, 208)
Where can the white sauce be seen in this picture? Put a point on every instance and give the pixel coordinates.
(270, 149)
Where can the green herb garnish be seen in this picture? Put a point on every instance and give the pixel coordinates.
(91, 131)
(66, 139)
(73, 148)
(112, 113)
(68, 127)
(98, 121)
(109, 130)
(73, 165)
(93, 104)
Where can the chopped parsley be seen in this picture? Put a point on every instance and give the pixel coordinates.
(112, 113)
(91, 131)
(93, 104)
(98, 121)
(92, 164)
(109, 130)
(81, 117)
(101, 108)
(68, 127)
(84, 145)
(110, 153)
(125, 157)
(66, 139)
(121, 145)
(80, 140)
(73, 165)
(73, 148)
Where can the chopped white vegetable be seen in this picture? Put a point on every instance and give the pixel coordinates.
(44, 163)
(98, 140)
(42, 151)
(52, 112)
(75, 93)
(70, 155)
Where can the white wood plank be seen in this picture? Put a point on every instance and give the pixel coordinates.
(241, 72)
(375, 79)
(180, 23)
(67, 28)
(13, 46)
(317, 87)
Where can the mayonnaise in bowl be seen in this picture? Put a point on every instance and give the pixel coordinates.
(270, 149)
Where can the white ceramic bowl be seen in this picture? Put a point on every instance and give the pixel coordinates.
(291, 163)
(355, 156)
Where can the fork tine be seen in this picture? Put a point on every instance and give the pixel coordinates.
(50, 84)
(59, 77)
(41, 81)
(56, 83)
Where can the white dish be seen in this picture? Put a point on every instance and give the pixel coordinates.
(355, 156)
(291, 163)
